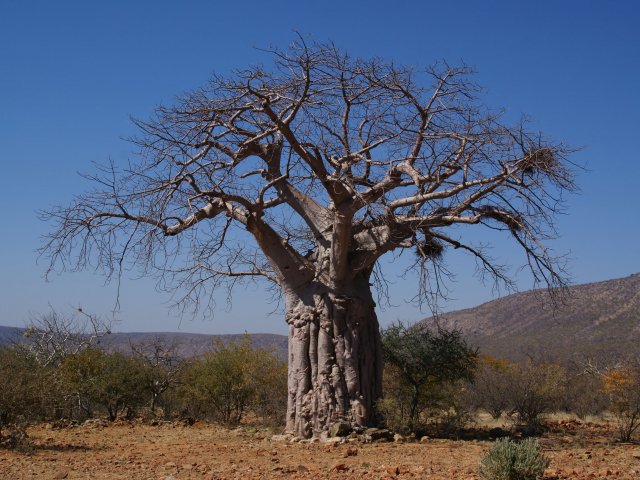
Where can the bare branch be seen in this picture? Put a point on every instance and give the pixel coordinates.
(310, 171)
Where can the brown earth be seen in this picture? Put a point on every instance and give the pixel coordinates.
(203, 451)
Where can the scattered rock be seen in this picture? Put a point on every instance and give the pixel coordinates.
(60, 475)
(376, 434)
(340, 467)
(350, 452)
(340, 429)
(398, 438)
(96, 423)
(333, 440)
(393, 470)
(302, 469)
(188, 422)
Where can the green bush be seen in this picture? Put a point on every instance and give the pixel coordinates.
(508, 460)
(113, 381)
(231, 380)
(423, 377)
(27, 393)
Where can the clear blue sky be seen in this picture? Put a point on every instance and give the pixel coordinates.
(72, 72)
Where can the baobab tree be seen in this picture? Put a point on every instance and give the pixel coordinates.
(305, 174)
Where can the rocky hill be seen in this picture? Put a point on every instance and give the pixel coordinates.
(597, 320)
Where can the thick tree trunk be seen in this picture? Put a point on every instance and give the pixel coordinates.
(335, 361)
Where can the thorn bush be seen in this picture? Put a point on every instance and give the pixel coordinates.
(509, 460)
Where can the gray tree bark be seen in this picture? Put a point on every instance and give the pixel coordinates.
(335, 361)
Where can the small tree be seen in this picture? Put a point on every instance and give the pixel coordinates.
(114, 381)
(584, 394)
(423, 360)
(163, 367)
(231, 379)
(27, 392)
(535, 389)
(623, 387)
(491, 385)
(269, 376)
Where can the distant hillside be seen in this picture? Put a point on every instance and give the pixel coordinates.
(192, 344)
(598, 320)
(186, 344)
(9, 335)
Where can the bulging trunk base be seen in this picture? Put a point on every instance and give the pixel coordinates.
(335, 362)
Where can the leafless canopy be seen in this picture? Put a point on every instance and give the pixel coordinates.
(328, 162)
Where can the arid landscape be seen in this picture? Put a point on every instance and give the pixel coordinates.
(191, 446)
(278, 240)
(204, 451)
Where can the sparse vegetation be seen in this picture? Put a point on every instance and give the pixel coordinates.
(428, 386)
(623, 387)
(226, 383)
(29, 392)
(423, 375)
(231, 379)
(117, 383)
(489, 389)
(510, 460)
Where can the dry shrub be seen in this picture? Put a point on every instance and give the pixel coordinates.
(509, 460)
(622, 385)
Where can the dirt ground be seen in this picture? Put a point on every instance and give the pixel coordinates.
(203, 451)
